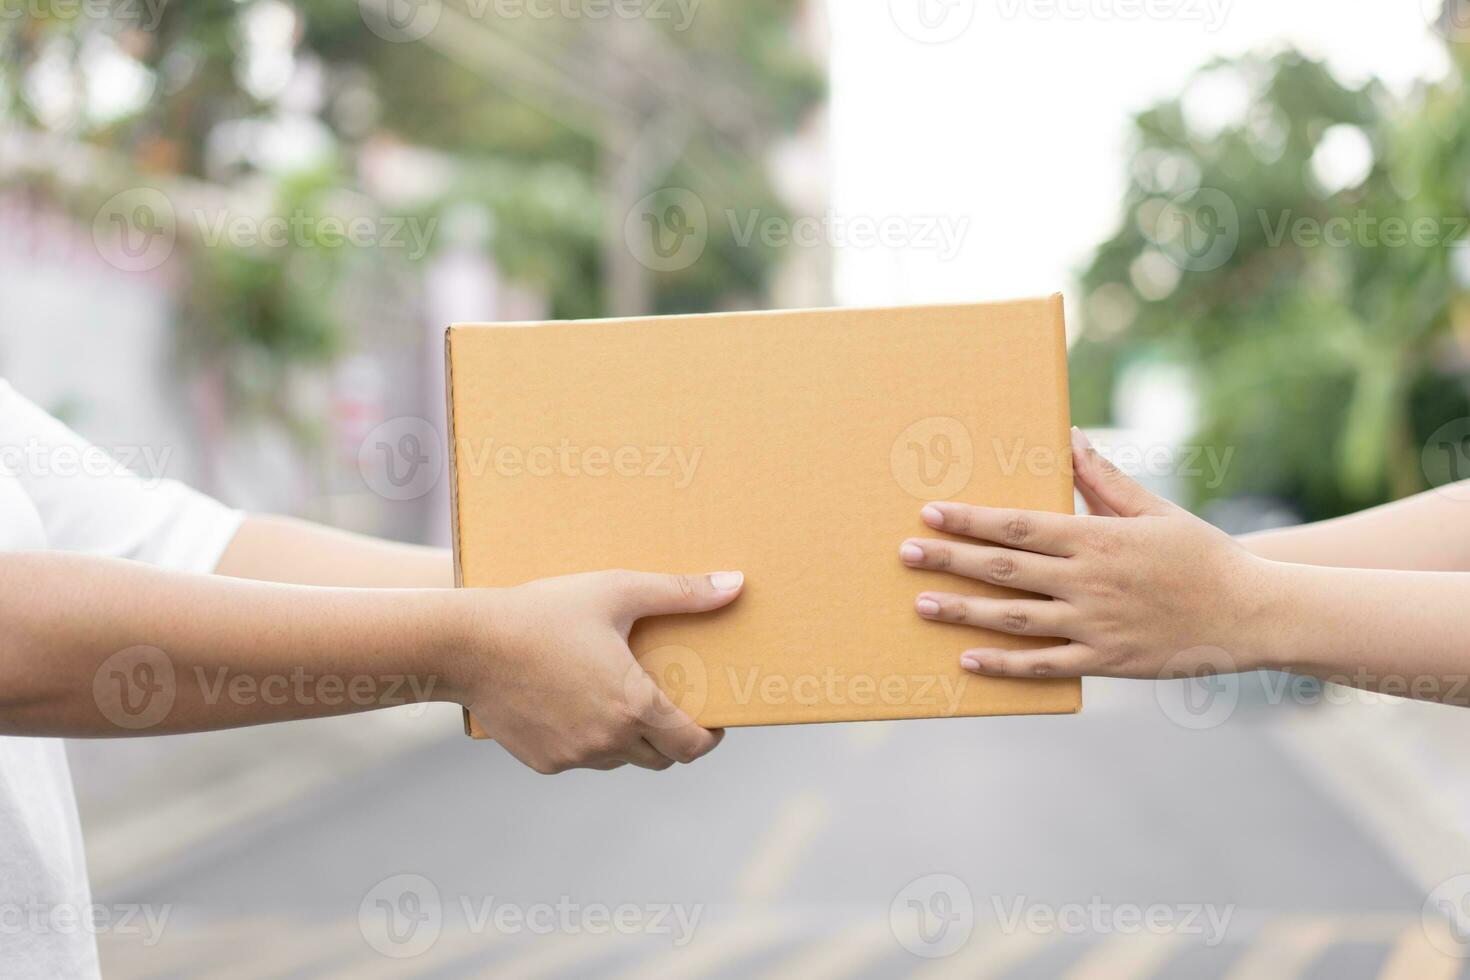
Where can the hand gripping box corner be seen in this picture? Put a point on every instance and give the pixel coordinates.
(796, 447)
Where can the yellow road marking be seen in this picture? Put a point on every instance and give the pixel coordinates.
(195, 952)
(1414, 957)
(367, 963)
(550, 954)
(867, 734)
(1291, 943)
(712, 950)
(1138, 955)
(776, 855)
(842, 955)
(987, 954)
(284, 948)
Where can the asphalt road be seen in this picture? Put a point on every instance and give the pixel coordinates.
(1114, 843)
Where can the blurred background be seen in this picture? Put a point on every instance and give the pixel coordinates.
(232, 233)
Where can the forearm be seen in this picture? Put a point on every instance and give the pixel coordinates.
(1426, 532)
(1398, 632)
(282, 549)
(225, 653)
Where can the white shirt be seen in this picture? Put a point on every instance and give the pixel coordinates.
(58, 492)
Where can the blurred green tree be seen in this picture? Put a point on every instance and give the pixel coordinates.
(556, 125)
(1300, 244)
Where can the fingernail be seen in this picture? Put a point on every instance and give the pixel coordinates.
(726, 581)
(911, 552)
(1079, 438)
(932, 515)
(927, 606)
(970, 661)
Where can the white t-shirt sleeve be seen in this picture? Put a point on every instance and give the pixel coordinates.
(90, 502)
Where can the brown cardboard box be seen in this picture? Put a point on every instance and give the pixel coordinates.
(796, 447)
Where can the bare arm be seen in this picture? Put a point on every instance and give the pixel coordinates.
(1428, 532)
(1398, 632)
(99, 646)
(296, 552)
(77, 628)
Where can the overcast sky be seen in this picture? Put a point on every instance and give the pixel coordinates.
(999, 125)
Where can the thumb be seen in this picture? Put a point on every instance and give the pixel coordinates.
(1098, 478)
(651, 594)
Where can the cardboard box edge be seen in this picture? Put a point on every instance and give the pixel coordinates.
(1064, 412)
(471, 727)
(731, 314)
(1057, 712)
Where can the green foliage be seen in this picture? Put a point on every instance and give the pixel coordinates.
(1319, 341)
(523, 114)
(274, 300)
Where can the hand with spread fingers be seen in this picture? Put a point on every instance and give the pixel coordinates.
(1125, 590)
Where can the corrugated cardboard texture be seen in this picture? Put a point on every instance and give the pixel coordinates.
(796, 447)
